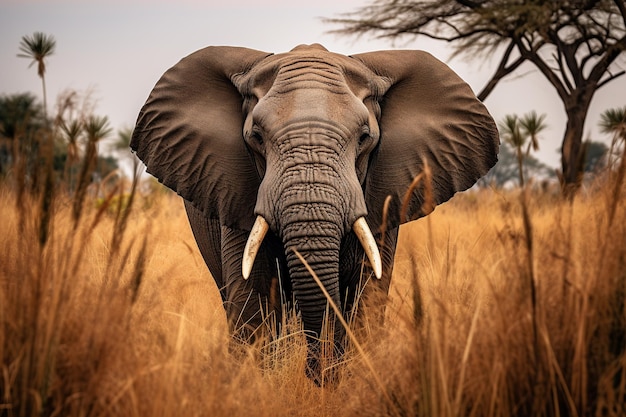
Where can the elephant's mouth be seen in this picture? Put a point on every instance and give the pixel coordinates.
(360, 228)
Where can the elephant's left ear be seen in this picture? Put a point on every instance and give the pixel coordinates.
(428, 115)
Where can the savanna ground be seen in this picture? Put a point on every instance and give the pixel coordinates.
(112, 312)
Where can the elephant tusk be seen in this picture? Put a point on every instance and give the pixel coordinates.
(253, 244)
(363, 232)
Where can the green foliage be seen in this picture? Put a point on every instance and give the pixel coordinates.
(20, 120)
(20, 115)
(23, 131)
(596, 156)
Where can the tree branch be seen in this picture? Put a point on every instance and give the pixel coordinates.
(533, 56)
(602, 66)
(559, 60)
(611, 78)
(501, 72)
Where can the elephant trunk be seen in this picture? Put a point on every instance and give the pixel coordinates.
(317, 239)
(311, 300)
(318, 242)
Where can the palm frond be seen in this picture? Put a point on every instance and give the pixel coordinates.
(613, 121)
(37, 47)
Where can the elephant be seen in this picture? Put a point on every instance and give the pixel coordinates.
(308, 155)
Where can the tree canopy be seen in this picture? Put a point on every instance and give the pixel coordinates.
(575, 44)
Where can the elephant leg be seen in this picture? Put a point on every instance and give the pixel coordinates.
(376, 293)
(248, 303)
(208, 235)
(362, 290)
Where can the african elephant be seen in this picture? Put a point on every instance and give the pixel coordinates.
(299, 151)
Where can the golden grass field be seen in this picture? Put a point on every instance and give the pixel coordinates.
(523, 299)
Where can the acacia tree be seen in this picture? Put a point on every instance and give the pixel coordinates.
(575, 44)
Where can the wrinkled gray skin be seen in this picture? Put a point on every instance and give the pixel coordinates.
(311, 141)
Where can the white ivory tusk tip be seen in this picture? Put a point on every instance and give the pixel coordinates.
(363, 232)
(258, 232)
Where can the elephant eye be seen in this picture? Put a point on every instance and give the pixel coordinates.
(365, 136)
(256, 137)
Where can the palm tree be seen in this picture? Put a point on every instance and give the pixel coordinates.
(516, 131)
(613, 121)
(122, 144)
(38, 47)
(512, 134)
(122, 147)
(72, 133)
(96, 128)
(532, 126)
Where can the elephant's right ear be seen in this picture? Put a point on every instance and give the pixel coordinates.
(189, 134)
(428, 117)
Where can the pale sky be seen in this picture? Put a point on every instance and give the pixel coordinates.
(118, 49)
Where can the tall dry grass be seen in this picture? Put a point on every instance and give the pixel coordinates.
(524, 300)
(502, 304)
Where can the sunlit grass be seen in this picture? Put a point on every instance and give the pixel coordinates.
(491, 314)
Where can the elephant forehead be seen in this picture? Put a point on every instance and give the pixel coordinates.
(308, 72)
(310, 108)
(311, 67)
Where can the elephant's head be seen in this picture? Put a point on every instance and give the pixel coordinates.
(309, 144)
